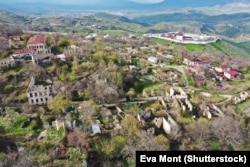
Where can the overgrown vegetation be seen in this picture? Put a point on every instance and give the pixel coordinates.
(95, 91)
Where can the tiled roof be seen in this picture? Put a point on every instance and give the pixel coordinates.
(20, 51)
(204, 61)
(233, 72)
(224, 66)
(36, 40)
(180, 33)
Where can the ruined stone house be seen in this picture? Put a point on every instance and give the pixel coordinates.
(7, 63)
(39, 93)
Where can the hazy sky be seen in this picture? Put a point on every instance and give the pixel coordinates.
(147, 1)
(86, 1)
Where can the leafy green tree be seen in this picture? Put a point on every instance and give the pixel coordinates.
(87, 110)
(112, 148)
(76, 157)
(132, 125)
(64, 43)
(98, 56)
(131, 93)
(162, 139)
(58, 104)
(56, 49)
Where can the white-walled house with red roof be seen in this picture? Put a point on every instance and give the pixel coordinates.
(20, 53)
(38, 43)
(200, 62)
(223, 68)
(232, 74)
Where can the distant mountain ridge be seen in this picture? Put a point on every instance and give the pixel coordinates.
(46, 7)
(194, 16)
(12, 18)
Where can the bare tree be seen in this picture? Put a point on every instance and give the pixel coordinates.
(227, 130)
(103, 92)
(21, 159)
(87, 110)
(145, 143)
(196, 135)
(77, 138)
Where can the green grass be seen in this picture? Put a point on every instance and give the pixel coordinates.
(213, 145)
(245, 46)
(135, 61)
(243, 107)
(194, 47)
(231, 48)
(218, 46)
(115, 32)
(190, 80)
(160, 41)
(9, 18)
(246, 71)
(143, 84)
(53, 134)
(12, 124)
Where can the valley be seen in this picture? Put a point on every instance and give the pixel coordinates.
(90, 88)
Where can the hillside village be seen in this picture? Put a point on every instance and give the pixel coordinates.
(94, 99)
(186, 38)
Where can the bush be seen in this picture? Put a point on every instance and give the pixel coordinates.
(53, 134)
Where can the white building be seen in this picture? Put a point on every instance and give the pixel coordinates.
(153, 59)
(179, 37)
(223, 68)
(20, 53)
(38, 43)
(7, 63)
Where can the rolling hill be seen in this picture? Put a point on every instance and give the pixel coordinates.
(11, 18)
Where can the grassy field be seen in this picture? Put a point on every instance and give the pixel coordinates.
(115, 32)
(142, 84)
(245, 46)
(218, 46)
(230, 48)
(160, 41)
(7, 17)
(190, 80)
(243, 107)
(194, 47)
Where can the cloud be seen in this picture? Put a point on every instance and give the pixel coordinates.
(147, 1)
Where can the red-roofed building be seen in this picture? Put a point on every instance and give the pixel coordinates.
(231, 74)
(204, 63)
(23, 52)
(38, 42)
(223, 68)
(37, 39)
